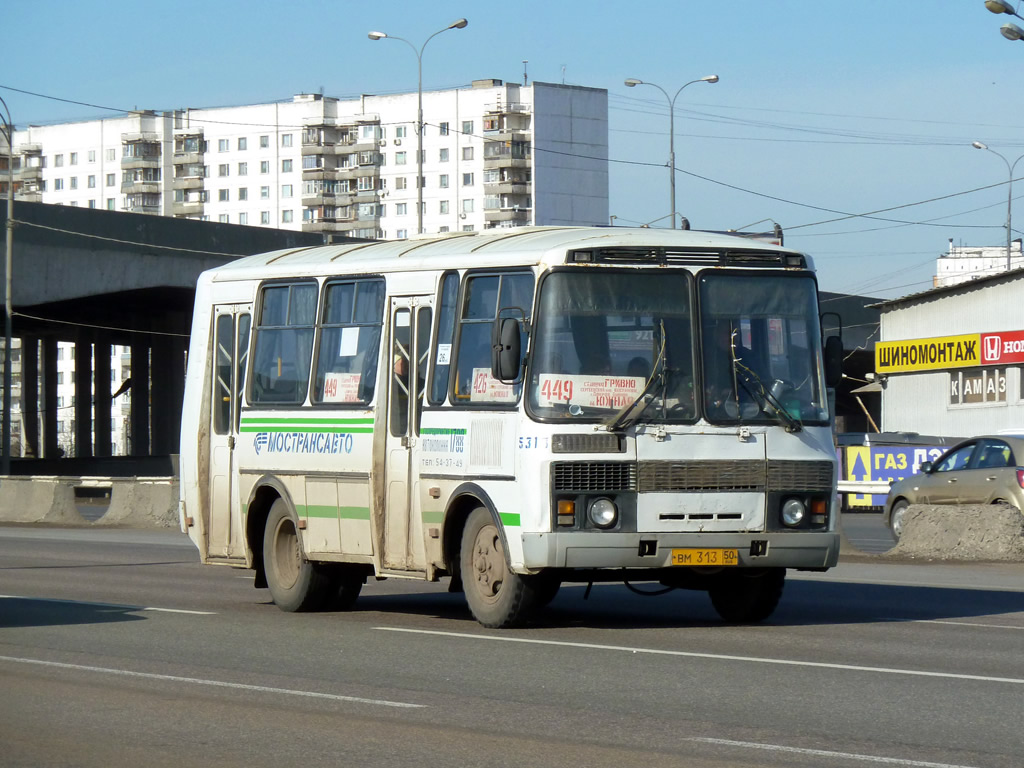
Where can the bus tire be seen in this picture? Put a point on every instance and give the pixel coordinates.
(496, 597)
(295, 583)
(748, 598)
(347, 587)
(544, 588)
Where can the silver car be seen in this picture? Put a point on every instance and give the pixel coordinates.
(982, 470)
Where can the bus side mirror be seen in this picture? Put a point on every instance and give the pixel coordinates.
(506, 350)
(833, 361)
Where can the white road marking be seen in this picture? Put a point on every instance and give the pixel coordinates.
(827, 753)
(108, 605)
(716, 656)
(965, 624)
(214, 683)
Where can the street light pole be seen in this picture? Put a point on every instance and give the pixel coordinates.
(5, 436)
(1009, 31)
(460, 24)
(1009, 194)
(632, 82)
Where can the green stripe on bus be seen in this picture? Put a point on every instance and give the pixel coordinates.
(509, 518)
(329, 512)
(258, 420)
(432, 516)
(315, 430)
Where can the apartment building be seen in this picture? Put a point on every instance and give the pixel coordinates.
(494, 155)
(962, 262)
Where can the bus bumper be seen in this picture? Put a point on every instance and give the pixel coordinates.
(588, 550)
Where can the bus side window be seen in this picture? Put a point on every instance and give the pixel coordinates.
(284, 343)
(349, 342)
(445, 336)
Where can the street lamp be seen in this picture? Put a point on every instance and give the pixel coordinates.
(5, 435)
(632, 82)
(1009, 31)
(1009, 192)
(459, 24)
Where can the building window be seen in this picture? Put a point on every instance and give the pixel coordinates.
(490, 124)
(400, 182)
(400, 209)
(467, 205)
(92, 155)
(442, 181)
(974, 386)
(58, 185)
(243, 194)
(468, 228)
(223, 169)
(111, 155)
(91, 182)
(443, 155)
(243, 218)
(264, 193)
(223, 145)
(444, 229)
(92, 203)
(224, 195)
(58, 161)
(444, 207)
(402, 234)
(264, 142)
(286, 165)
(286, 217)
(443, 129)
(264, 217)
(399, 158)
(365, 184)
(243, 169)
(286, 190)
(74, 158)
(74, 182)
(223, 218)
(264, 166)
(467, 127)
(399, 131)
(467, 153)
(286, 139)
(111, 203)
(467, 179)
(243, 143)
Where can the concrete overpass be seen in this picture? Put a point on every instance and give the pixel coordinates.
(98, 278)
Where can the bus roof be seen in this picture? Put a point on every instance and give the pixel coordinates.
(489, 248)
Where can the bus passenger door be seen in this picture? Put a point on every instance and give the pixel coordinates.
(410, 318)
(229, 358)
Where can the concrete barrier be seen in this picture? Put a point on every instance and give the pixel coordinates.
(134, 502)
(952, 532)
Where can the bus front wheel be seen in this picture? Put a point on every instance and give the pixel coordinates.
(746, 598)
(295, 583)
(497, 597)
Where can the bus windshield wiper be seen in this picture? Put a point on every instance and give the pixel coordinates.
(629, 414)
(766, 399)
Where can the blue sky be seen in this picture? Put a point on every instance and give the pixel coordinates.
(821, 108)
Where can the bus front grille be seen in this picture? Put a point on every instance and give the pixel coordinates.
(800, 476)
(593, 476)
(737, 475)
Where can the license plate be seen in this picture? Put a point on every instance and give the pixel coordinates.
(705, 557)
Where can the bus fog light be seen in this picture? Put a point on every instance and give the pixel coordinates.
(793, 512)
(603, 513)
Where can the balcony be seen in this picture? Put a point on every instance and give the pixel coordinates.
(188, 158)
(30, 173)
(140, 187)
(29, 196)
(520, 216)
(187, 182)
(141, 208)
(134, 162)
(507, 187)
(186, 209)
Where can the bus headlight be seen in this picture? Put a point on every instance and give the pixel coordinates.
(793, 512)
(603, 513)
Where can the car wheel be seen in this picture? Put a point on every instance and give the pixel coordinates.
(896, 518)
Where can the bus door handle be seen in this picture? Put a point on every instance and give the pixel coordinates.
(408, 442)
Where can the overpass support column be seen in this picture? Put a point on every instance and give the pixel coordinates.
(140, 395)
(83, 394)
(30, 396)
(51, 415)
(168, 391)
(101, 399)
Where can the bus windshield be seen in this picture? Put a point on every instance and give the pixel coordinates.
(761, 345)
(603, 335)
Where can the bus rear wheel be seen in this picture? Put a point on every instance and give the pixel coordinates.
(295, 583)
(497, 597)
(747, 598)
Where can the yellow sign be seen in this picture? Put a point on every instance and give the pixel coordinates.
(937, 353)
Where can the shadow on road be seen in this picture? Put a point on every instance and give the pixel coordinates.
(28, 612)
(804, 602)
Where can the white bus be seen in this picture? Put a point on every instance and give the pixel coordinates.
(511, 410)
